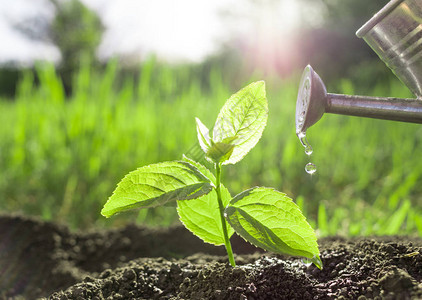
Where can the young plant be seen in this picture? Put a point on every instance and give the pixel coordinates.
(262, 216)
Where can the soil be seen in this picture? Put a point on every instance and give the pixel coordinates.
(45, 260)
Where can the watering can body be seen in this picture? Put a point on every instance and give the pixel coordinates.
(395, 34)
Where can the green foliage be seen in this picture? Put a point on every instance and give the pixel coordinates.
(270, 220)
(202, 215)
(262, 216)
(60, 154)
(203, 135)
(238, 127)
(157, 184)
(396, 220)
(242, 120)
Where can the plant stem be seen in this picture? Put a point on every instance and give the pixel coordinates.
(223, 220)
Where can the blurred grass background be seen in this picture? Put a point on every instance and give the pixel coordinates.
(62, 156)
(73, 127)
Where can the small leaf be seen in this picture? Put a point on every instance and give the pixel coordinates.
(271, 220)
(220, 151)
(157, 184)
(202, 215)
(203, 135)
(242, 117)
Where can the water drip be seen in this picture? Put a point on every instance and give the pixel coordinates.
(310, 168)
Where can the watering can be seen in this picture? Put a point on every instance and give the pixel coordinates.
(395, 34)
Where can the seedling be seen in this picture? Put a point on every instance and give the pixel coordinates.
(262, 216)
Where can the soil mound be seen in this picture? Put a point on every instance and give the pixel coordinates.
(40, 259)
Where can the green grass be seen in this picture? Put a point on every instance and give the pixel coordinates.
(61, 158)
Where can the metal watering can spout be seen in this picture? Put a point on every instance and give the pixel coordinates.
(313, 101)
(395, 34)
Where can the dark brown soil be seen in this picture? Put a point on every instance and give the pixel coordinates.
(39, 259)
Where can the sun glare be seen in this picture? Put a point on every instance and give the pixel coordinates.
(174, 30)
(190, 29)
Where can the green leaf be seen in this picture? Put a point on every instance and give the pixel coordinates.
(220, 151)
(203, 135)
(271, 220)
(202, 216)
(157, 184)
(242, 117)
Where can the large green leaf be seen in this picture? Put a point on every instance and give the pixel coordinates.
(202, 215)
(157, 184)
(271, 220)
(242, 120)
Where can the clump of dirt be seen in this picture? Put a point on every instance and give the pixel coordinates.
(41, 259)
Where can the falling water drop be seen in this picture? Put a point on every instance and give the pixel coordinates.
(307, 262)
(310, 168)
(304, 142)
(308, 150)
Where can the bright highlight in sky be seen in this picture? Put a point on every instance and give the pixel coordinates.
(188, 29)
(181, 30)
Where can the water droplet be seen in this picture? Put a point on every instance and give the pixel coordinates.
(308, 150)
(304, 142)
(307, 262)
(310, 168)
